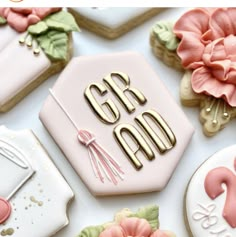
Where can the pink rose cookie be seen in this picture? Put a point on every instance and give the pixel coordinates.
(113, 22)
(210, 203)
(33, 192)
(35, 44)
(126, 223)
(202, 41)
(116, 123)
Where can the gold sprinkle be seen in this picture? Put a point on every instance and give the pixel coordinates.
(9, 231)
(22, 41)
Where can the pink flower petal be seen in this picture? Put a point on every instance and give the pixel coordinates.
(136, 227)
(194, 21)
(230, 46)
(42, 12)
(222, 22)
(113, 231)
(159, 233)
(32, 19)
(4, 11)
(22, 10)
(190, 51)
(203, 82)
(17, 21)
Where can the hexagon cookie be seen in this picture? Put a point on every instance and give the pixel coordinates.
(116, 123)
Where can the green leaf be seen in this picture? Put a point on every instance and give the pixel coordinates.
(62, 21)
(151, 214)
(3, 21)
(39, 28)
(91, 231)
(164, 33)
(54, 44)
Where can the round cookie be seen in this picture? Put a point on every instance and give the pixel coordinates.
(204, 50)
(210, 201)
(35, 44)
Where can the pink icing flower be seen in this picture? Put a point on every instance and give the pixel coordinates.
(21, 18)
(132, 227)
(208, 47)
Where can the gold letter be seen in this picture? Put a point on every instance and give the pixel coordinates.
(139, 140)
(165, 129)
(120, 94)
(98, 108)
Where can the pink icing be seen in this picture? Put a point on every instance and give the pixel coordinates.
(5, 210)
(20, 18)
(132, 227)
(207, 46)
(213, 187)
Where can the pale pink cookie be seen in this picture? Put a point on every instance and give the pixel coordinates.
(89, 115)
(33, 192)
(113, 22)
(35, 44)
(144, 223)
(204, 44)
(210, 203)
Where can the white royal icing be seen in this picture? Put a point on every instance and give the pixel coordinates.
(44, 197)
(204, 214)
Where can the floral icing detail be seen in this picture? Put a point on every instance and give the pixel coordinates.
(21, 18)
(164, 32)
(128, 224)
(207, 46)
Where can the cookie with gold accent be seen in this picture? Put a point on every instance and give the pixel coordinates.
(205, 50)
(35, 44)
(113, 22)
(33, 192)
(116, 123)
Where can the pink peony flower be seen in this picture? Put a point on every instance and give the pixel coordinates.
(132, 227)
(21, 18)
(208, 47)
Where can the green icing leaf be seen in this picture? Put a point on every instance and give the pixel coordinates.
(62, 21)
(91, 231)
(3, 21)
(54, 44)
(39, 28)
(164, 32)
(151, 214)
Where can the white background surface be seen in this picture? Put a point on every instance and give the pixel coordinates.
(88, 210)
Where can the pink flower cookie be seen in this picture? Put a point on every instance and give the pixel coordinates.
(204, 42)
(41, 39)
(210, 203)
(143, 223)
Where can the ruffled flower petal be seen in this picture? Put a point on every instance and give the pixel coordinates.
(222, 22)
(33, 19)
(159, 233)
(190, 51)
(136, 227)
(17, 21)
(23, 11)
(42, 12)
(113, 231)
(4, 11)
(203, 82)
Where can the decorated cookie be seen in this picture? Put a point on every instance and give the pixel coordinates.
(35, 44)
(33, 192)
(112, 22)
(145, 222)
(210, 197)
(203, 45)
(116, 123)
